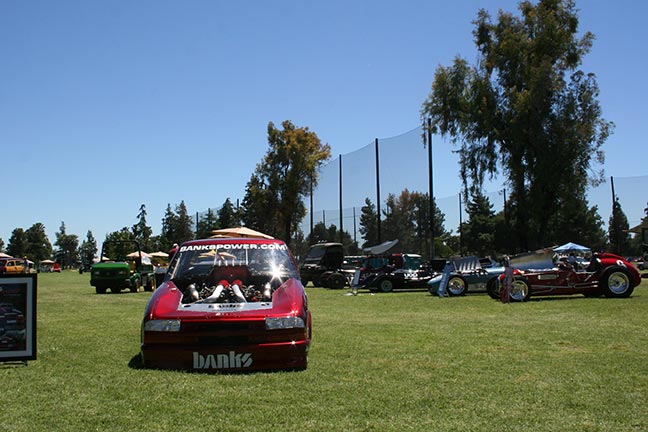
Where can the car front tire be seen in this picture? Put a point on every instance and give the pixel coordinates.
(150, 285)
(386, 285)
(457, 286)
(616, 284)
(336, 281)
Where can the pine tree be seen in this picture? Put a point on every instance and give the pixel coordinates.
(141, 231)
(369, 223)
(87, 252)
(18, 243)
(618, 230)
(39, 247)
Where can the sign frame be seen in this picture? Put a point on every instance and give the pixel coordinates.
(18, 317)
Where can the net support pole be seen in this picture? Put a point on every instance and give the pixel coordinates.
(378, 193)
(341, 223)
(311, 205)
(431, 188)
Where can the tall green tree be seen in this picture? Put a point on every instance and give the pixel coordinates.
(479, 231)
(257, 203)
(422, 221)
(2, 245)
(577, 222)
(227, 215)
(176, 226)
(141, 231)
(68, 244)
(322, 233)
(18, 243)
(369, 224)
(274, 200)
(527, 111)
(124, 234)
(118, 251)
(183, 229)
(169, 225)
(398, 221)
(88, 251)
(206, 224)
(39, 247)
(618, 230)
(639, 244)
(407, 218)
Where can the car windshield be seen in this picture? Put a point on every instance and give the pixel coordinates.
(254, 268)
(316, 252)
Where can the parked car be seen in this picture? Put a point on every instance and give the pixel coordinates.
(228, 304)
(11, 265)
(395, 271)
(606, 275)
(469, 274)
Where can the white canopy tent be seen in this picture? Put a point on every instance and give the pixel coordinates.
(571, 247)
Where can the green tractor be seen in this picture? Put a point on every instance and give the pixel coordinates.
(123, 265)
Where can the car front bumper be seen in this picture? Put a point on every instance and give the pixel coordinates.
(235, 358)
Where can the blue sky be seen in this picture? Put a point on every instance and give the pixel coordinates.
(105, 105)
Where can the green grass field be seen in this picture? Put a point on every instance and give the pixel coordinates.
(391, 362)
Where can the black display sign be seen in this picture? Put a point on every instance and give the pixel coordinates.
(18, 317)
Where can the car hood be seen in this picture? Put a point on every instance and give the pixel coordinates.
(166, 304)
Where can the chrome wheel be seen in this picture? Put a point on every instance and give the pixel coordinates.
(456, 286)
(519, 290)
(617, 284)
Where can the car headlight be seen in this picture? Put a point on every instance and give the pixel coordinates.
(162, 325)
(284, 323)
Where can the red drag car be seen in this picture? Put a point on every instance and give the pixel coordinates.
(228, 304)
(606, 274)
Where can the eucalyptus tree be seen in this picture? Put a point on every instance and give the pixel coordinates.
(526, 111)
(274, 198)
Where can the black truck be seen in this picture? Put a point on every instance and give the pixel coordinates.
(323, 266)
